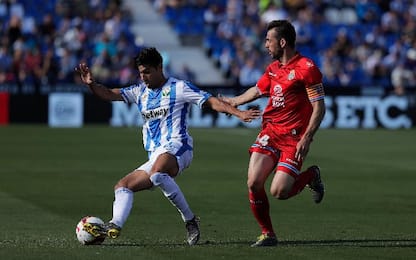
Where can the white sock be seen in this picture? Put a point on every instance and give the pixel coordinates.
(123, 202)
(174, 194)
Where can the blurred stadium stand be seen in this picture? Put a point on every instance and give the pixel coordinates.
(213, 42)
(356, 43)
(153, 30)
(43, 41)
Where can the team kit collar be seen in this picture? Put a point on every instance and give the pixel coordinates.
(292, 60)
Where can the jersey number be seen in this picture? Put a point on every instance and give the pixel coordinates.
(264, 140)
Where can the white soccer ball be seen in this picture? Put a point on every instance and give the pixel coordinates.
(83, 236)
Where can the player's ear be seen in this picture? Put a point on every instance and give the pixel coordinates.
(282, 42)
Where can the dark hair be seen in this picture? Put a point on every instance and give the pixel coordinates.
(150, 57)
(284, 29)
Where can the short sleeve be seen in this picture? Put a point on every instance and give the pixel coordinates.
(130, 94)
(263, 84)
(312, 78)
(193, 94)
(311, 73)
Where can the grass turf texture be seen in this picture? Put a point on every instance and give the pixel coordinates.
(50, 178)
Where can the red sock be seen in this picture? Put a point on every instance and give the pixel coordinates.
(259, 205)
(300, 183)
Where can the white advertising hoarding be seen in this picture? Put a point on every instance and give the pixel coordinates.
(66, 110)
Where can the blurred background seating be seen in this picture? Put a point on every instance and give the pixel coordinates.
(354, 42)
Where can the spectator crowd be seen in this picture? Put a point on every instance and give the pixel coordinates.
(354, 42)
(41, 41)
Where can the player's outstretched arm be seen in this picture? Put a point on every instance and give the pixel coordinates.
(248, 96)
(98, 89)
(223, 107)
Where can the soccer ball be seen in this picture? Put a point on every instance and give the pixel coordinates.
(83, 236)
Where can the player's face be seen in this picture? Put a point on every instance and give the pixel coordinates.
(151, 76)
(274, 44)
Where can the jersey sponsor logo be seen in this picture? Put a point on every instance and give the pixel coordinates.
(277, 89)
(155, 113)
(278, 100)
(272, 74)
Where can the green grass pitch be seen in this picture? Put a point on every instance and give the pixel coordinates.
(50, 178)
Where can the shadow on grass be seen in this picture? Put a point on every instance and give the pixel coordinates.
(376, 243)
(353, 243)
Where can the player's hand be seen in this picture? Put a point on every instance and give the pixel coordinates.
(250, 115)
(85, 73)
(302, 149)
(228, 101)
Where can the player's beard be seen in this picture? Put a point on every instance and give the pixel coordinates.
(277, 54)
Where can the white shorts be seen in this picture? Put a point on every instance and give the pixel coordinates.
(183, 154)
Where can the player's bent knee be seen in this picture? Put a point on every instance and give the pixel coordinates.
(120, 184)
(125, 182)
(255, 185)
(280, 194)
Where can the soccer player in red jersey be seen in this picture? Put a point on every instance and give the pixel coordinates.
(292, 116)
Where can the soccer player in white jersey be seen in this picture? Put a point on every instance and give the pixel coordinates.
(164, 104)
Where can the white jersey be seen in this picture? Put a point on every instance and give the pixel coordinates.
(165, 111)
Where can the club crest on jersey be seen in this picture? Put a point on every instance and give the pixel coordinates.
(165, 92)
(291, 75)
